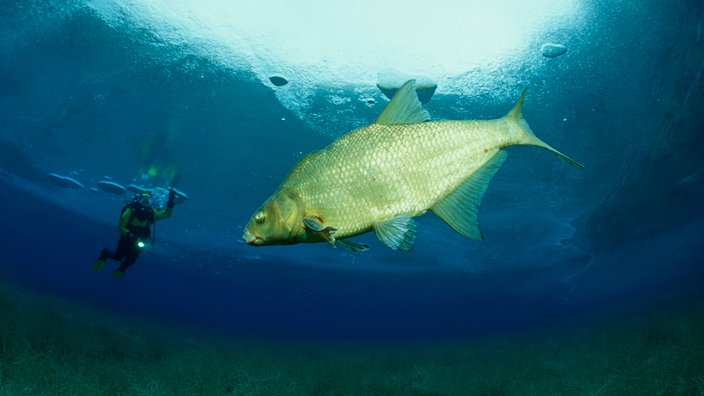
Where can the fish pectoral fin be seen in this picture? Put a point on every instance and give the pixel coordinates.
(404, 108)
(398, 233)
(460, 209)
(353, 246)
(316, 225)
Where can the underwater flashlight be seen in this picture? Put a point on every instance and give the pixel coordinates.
(140, 244)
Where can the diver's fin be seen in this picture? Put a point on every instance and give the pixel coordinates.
(398, 233)
(315, 224)
(98, 265)
(459, 209)
(404, 108)
(353, 246)
(117, 273)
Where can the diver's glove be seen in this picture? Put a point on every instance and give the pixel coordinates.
(172, 197)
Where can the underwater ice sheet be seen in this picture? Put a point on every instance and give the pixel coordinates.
(64, 181)
(111, 187)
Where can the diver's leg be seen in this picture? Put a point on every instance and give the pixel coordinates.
(120, 250)
(123, 246)
(130, 258)
(105, 254)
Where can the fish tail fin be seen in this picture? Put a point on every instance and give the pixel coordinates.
(529, 138)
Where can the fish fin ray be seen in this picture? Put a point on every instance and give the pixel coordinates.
(353, 246)
(404, 108)
(398, 232)
(461, 208)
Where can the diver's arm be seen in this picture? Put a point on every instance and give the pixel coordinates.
(125, 221)
(165, 214)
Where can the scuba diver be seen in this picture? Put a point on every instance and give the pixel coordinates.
(135, 225)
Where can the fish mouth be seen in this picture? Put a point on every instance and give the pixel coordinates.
(251, 239)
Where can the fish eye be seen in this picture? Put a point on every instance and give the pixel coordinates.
(260, 217)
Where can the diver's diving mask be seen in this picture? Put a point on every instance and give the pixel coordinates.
(145, 200)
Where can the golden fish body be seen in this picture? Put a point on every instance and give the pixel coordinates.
(383, 175)
(382, 171)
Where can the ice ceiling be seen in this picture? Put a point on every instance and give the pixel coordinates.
(341, 44)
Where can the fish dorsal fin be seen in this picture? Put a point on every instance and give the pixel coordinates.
(459, 209)
(404, 108)
(398, 232)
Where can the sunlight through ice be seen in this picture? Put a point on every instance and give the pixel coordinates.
(350, 41)
(331, 53)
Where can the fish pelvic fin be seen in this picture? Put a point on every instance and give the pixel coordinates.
(404, 108)
(460, 208)
(515, 116)
(353, 246)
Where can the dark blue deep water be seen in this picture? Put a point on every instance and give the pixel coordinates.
(133, 94)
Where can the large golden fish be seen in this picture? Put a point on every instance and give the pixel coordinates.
(381, 176)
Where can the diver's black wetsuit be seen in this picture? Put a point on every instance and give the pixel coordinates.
(127, 248)
(135, 224)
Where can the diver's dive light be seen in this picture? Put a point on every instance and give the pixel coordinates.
(140, 244)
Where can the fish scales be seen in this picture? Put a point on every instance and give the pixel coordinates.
(382, 171)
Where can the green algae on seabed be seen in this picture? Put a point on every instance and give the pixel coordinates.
(53, 347)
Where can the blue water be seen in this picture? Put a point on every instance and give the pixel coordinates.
(85, 97)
